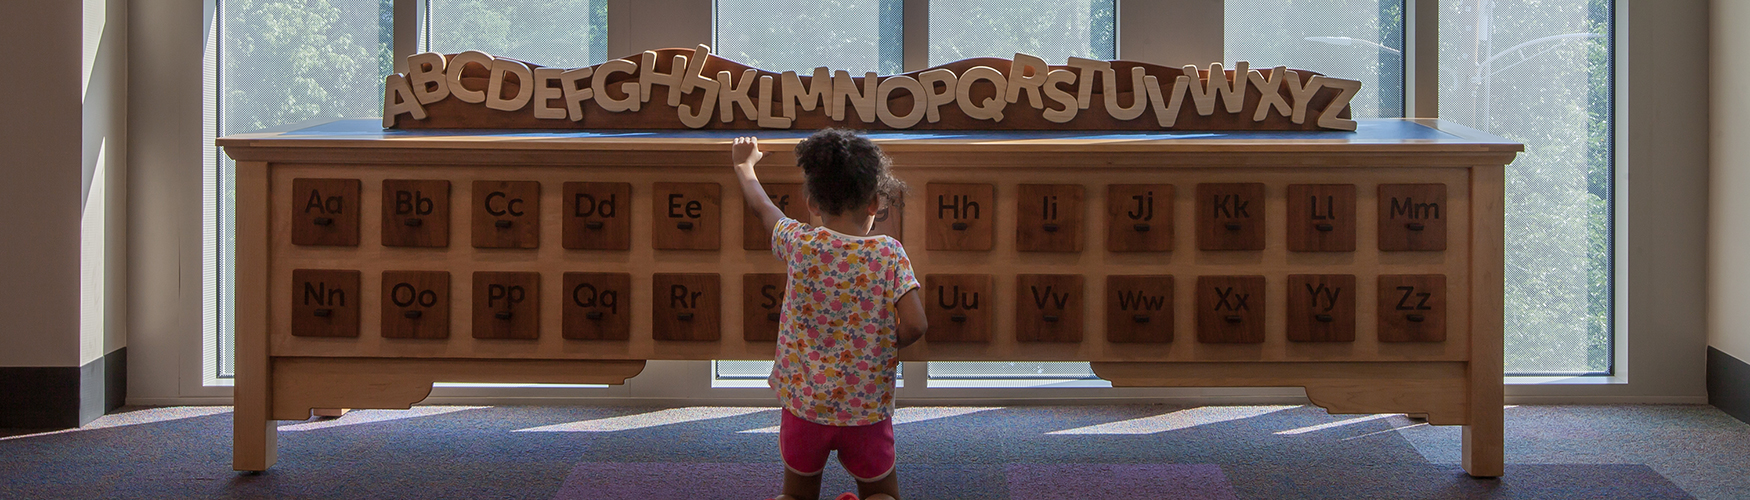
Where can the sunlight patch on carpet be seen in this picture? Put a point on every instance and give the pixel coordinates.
(1182, 419)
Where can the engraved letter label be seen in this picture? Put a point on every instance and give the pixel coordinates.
(1230, 309)
(788, 197)
(507, 214)
(1412, 308)
(688, 216)
(686, 307)
(1139, 217)
(597, 306)
(325, 212)
(416, 213)
(1321, 218)
(958, 307)
(416, 304)
(596, 217)
(762, 306)
(507, 305)
(1049, 218)
(1139, 309)
(1230, 216)
(1050, 308)
(1321, 307)
(960, 216)
(1412, 217)
(325, 303)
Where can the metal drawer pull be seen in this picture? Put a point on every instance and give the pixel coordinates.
(412, 314)
(501, 223)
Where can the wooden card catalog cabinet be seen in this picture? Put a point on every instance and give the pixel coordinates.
(1139, 309)
(958, 307)
(507, 305)
(686, 307)
(325, 303)
(688, 216)
(1412, 217)
(596, 216)
(1139, 217)
(1321, 218)
(1157, 257)
(1230, 309)
(789, 198)
(597, 306)
(889, 221)
(506, 214)
(325, 212)
(1230, 216)
(1048, 218)
(762, 305)
(1048, 307)
(960, 216)
(1321, 307)
(416, 304)
(416, 213)
(1412, 308)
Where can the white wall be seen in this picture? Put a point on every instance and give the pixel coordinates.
(40, 194)
(1729, 201)
(103, 156)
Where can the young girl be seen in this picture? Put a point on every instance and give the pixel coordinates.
(851, 304)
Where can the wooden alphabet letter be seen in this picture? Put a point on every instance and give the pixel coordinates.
(397, 99)
(453, 74)
(525, 86)
(707, 104)
(810, 95)
(1302, 95)
(1233, 92)
(1346, 92)
(764, 105)
(948, 83)
(919, 103)
(648, 76)
(1053, 90)
(1086, 69)
(599, 87)
(1167, 109)
(1027, 73)
(844, 87)
(1201, 94)
(426, 73)
(1138, 97)
(1271, 90)
(695, 77)
(730, 96)
(992, 108)
(575, 94)
(545, 92)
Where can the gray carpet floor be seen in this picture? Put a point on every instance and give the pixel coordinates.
(1113, 451)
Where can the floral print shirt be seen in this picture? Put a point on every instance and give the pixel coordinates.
(837, 355)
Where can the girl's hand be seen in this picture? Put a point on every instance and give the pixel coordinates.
(746, 152)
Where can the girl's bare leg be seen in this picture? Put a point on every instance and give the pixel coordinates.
(888, 486)
(800, 487)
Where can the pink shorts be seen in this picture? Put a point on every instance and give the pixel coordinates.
(865, 450)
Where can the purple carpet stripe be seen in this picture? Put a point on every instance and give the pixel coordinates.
(1119, 481)
(605, 480)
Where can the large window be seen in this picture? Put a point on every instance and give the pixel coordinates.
(1054, 30)
(1537, 73)
(1361, 40)
(852, 35)
(281, 63)
(1540, 73)
(555, 33)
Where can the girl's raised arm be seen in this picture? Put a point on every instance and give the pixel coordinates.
(746, 153)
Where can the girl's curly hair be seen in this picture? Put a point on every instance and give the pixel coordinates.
(843, 170)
